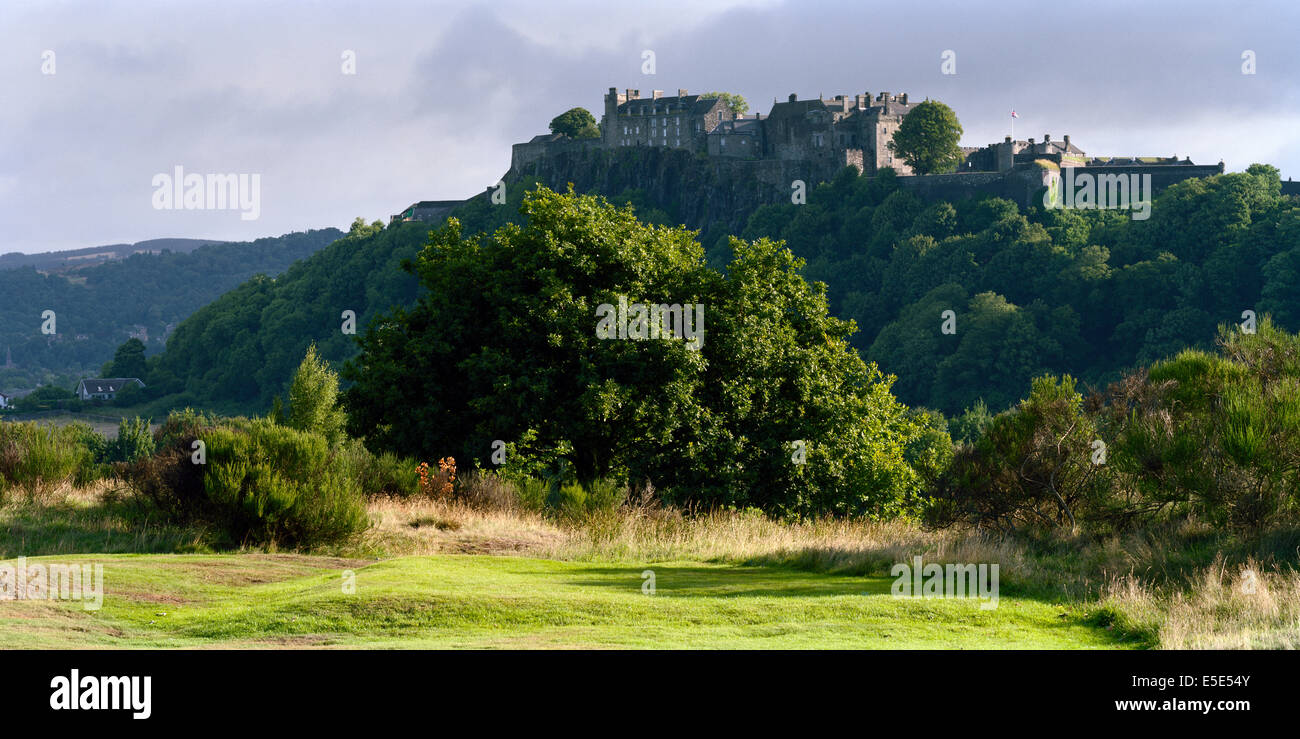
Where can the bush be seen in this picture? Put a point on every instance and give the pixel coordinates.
(259, 484)
(39, 459)
(134, 442)
(1215, 438)
(378, 475)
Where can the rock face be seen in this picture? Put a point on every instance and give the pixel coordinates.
(704, 192)
(694, 189)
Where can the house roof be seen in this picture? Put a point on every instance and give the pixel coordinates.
(107, 385)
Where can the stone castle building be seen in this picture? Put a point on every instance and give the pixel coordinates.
(846, 130)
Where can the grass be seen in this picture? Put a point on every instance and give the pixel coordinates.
(483, 601)
(433, 573)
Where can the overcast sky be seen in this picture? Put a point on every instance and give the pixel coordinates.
(442, 90)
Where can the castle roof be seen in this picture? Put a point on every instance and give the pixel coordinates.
(739, 127)
(693, 104)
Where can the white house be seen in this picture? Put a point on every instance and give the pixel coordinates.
(5, 400)
(104, 389)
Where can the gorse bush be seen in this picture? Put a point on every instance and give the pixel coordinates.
(38, 459)
(134, 442)
(1210, 436)
(259, 483)
(378, 475)
(281, 485)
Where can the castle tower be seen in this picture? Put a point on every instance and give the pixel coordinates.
(608, 124)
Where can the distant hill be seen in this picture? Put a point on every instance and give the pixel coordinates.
(75, 259)
(145, 295)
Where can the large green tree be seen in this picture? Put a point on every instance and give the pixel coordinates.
(773, 408)
(927, 138)
(576, 123)
(128, 361)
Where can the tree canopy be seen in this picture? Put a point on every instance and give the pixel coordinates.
(576, 123)
(736, 103)
(927, 139)
(504, 345)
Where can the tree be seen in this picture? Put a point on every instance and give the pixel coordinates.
(503, 345)
(313, 398)
(360, 230)
(576, 123)
(128, 361)
(927, 138)
(736, 103)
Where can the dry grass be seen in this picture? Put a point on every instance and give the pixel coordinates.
(647, 533)
(1151, 584)
(1244, 607)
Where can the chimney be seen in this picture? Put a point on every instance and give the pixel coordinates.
(1067, 140)
(793, 97)
(658, 94)
(863, 101)
(1007, 140)
(681, 92)
(633, 94)
(1047, 138)
(903, 99)
(1031, 141)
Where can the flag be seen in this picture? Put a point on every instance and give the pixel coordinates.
(1013, 114)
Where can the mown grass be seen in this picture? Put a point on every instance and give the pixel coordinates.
(436, 573)
(483, 601)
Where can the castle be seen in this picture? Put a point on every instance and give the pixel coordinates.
(841, 131)
(729, 162)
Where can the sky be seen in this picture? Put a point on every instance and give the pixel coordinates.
(97, 99)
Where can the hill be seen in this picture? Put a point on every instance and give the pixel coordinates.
(1085, 292)
(75, 259)
(145, 295)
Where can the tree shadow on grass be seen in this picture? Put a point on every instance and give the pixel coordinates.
(730, 581)
(749, 581)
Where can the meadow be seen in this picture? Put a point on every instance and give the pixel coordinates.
(483, 572)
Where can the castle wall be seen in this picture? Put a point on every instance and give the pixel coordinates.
(1024, 183)
(698, 190)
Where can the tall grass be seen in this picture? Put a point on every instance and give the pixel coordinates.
(38, 459)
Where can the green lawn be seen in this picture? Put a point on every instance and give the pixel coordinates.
(477, 601)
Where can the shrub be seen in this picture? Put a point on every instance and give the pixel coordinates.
(39, 459)
(1031, 469)
(134, 442)
(378, 475)
(96, 446)
(440, 484)
(260, 483)
(1216, 438)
